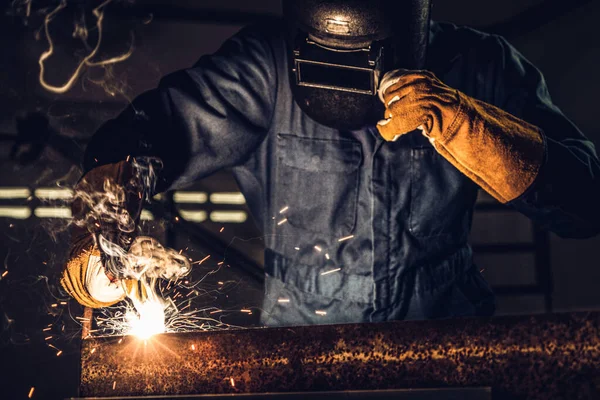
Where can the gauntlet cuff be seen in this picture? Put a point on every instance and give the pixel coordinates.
(498, 151)
(73, 279)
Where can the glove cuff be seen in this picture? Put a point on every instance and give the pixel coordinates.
(73, 279)
(498, 151)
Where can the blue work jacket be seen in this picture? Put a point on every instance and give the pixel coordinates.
(373, 230)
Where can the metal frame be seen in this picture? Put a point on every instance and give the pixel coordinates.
(540, 247)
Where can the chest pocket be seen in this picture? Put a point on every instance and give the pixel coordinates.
(318, 181)
(442, 197)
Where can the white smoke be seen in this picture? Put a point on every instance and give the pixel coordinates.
(146, 257)
(126, 255)
(104, 207)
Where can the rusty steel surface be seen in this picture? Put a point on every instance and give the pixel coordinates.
(555, 356)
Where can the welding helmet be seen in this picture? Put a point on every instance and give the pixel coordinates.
(339, 49)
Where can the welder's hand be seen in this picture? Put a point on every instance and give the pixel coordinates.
(498, 151)
(85, 279)
(415, 100)
(105, 209)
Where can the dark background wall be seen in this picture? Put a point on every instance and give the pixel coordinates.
(559, 37)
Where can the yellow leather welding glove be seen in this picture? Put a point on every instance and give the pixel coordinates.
(98, 210)
(85, 279)
(498, 151)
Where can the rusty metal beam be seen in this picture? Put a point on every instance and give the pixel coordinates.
(536, 357)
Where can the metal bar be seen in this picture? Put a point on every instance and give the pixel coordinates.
(482, 393)
(549, 356)
(86, 323)
(543, 268)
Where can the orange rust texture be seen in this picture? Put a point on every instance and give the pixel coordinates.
(538, 357)
(86, 326)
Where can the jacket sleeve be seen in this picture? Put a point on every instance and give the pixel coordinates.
(565, 196)
(198, 120)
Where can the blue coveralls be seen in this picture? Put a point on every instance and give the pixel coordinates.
(408, 209)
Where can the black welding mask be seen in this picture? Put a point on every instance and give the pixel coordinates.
(340, 49)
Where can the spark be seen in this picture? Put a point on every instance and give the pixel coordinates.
(157, 313)
(297, 248)
(193, 347)
(59, 353)
(283, 221)
(220, 263)
(30, 395)
(46, 329)
(48, 338)
(93, 351)
(86, 61)
(114, 384)
(284, 209)
(232, 382)
(345, 238)
(54, 305)
(222, 229)
(4, 274)
(201, 261)
(220, 283)
(317, 248)
(54, 347)
(330, 271)
(27, 8)
(120, 340)
(327, 256)
(319, 312)
(283, 300)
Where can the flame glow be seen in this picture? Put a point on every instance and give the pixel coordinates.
(148, 321)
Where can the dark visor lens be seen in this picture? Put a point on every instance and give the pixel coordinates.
(335, 77)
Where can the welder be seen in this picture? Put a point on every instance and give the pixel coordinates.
(373, 127)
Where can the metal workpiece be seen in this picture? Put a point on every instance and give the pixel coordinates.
(552, 356)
